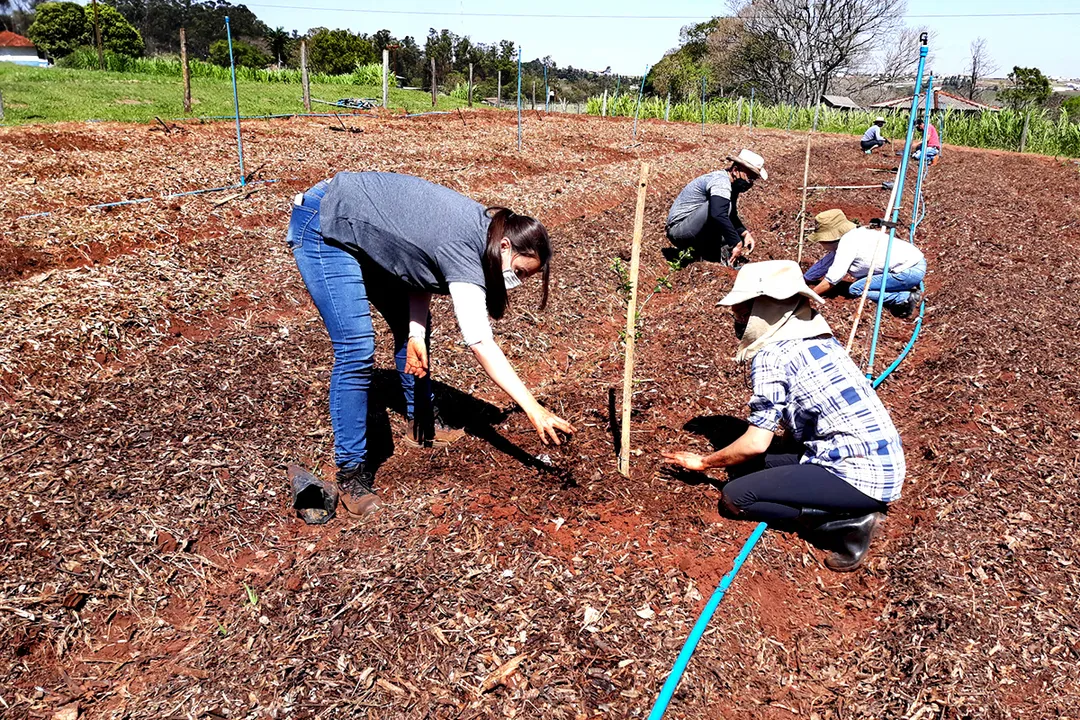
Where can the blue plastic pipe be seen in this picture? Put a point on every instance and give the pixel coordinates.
(923, 50)
(546, 93)
(236, 102)
(519, 97)
(137, 201)
(917, 202)
(703, 106)
(687, 652)
(641, 91)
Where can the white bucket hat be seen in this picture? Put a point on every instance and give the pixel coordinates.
(752, 162)
(879, 119)
(778, 279)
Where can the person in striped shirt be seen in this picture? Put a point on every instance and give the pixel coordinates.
(848, 462)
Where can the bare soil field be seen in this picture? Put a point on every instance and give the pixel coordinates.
(160, 364)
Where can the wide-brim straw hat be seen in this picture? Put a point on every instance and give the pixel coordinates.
(752, 162)
(778, 279)
(831, 225)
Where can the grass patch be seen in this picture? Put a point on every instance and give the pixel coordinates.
(45, 95)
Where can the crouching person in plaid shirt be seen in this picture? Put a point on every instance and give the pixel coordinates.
(850, 464)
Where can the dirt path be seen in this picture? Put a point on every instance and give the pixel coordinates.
(159, 366)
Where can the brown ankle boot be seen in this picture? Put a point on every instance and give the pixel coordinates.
(357, 490)
(439, 435)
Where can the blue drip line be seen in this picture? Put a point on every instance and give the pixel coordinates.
(265, 117)
(236, 102)
(137, 201)
(896, 210)
(918, 212)
(641, 92)
(519, 97)
(672, 682)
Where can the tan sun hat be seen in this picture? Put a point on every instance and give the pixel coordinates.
(879, 119)
(778, 279)
(752, 162)
(831, 225)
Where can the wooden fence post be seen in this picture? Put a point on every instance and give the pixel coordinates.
(434, 88)
(385, 77)
(498, 92)
(186, 71)
(631, 322)
(1024, 132)
(97, 38)
(470, 84)
(304, 81)
(1, 106)
(603, 105)
(534, 95)
(667, 107)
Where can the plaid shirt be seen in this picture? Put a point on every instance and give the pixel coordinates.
(812, 388)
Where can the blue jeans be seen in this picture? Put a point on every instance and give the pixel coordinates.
(931, 153)
(334, 277)
(897, 288)
(817, 270)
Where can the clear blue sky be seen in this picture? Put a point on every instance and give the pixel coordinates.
(627, 45)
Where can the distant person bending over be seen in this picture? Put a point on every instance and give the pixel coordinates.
(847, 463)
(389, 241)
(933, 141)
(849, 253)
(705, 215)
(873, 138)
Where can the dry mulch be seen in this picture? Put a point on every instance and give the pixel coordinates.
(160, 365)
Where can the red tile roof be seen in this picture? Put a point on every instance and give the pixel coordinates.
(10, 39)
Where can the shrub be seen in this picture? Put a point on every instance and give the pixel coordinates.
(244, 54)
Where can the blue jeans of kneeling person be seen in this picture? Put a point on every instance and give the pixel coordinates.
(344, 286)
(898, 287)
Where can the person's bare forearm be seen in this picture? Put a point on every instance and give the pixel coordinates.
(499, 369)
(734, 454)
(823, 287)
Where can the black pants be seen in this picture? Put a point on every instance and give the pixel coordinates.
(778, 489)
(871, 144)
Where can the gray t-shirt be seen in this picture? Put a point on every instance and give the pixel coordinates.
(697, 193)
(425, 234)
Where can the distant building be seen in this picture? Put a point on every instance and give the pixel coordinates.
(942, 101)
(19, 50)
(840, 102)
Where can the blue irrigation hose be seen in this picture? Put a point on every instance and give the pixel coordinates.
(236, 102)
(923, 51)
(672, 682)
(907, 348)
(519, 97)
(136, 201)
(641, 92)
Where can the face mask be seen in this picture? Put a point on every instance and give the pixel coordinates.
(741, 185)
(740, 329)
(511, 279)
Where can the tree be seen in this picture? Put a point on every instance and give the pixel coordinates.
(279, 42)
(1030, 88)
(980, 65)
(244, 54)
(1072, 107)
(17, 15)
(58, 28)
(801, 46)
(337, 52)
(117, 34)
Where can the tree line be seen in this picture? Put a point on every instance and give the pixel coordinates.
(151, 27)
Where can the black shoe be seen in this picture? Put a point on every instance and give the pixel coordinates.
(914, 301)
(848, 539)
(438, 434)
(357, 490)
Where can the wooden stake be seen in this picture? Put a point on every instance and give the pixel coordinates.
(805, 180)
(1, 105)
(304, 81)
(385, 77)
(498, 92)
(870, 274)
(434, 88)
(631, 321)
(185, 71)
(1024, 132)
(470, 84)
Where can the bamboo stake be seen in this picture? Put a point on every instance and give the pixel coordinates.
(631, 321)
(870, 273)
(385, 77)
(805, 180)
